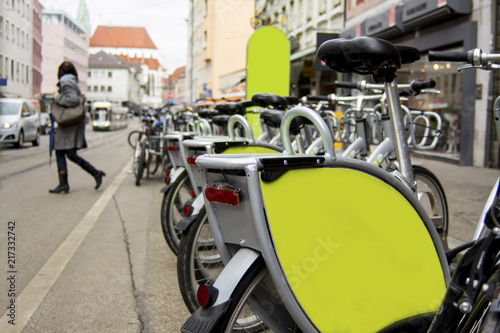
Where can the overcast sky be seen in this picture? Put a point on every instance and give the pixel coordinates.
(165, 21)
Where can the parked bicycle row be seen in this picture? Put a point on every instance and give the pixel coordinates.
(321, 222)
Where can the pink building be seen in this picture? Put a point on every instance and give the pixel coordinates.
(63, 39)
(37, 48)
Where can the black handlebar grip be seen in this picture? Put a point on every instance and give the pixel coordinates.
(347, 85)
(317, 98)
(447, 56)
(419, 85)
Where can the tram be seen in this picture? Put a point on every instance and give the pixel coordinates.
(107, 116)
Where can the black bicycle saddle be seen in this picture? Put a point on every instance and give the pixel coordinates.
(270, 100)
(366, 56)
(221, 120)
(230, 108)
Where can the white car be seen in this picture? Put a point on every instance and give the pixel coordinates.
(19, 122)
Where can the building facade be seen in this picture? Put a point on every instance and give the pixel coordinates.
(218, 33)
(113, 80)
(16, 48)
(63, 40)
(305, 23)
(37, 49)
(134, 44)
(176, 87)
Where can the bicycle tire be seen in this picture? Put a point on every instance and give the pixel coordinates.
(239, 315)
(172, 209)
(432, 196)
(134, 137)
(198, 261)
(141, 163)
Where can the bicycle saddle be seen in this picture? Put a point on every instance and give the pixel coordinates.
(207, 113)
(270, 100)
(272, 118)
(230, 108)
(221, 120)
(366, 56)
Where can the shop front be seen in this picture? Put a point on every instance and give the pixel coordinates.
(444, 26)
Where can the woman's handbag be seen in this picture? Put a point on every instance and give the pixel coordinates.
(65, 116)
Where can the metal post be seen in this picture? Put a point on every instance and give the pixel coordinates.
(400, 143)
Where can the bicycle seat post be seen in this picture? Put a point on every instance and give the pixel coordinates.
(399, 133)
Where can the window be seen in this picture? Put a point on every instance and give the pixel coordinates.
(18, 36)
(89, 88)
(110, 74)
(27, 74)
(12, 69)
(22, 73)
(1, 66)
(22, 39)
(96, 88)
(6, 67)
(88, 74)
(110, 89)
(17, 71)
(1, 25)
(7, 29)
(103, 88)
(13, 29)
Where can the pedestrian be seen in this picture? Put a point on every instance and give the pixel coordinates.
(67, 140)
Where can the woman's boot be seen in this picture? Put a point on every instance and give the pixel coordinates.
(98, 174)
(63, 183)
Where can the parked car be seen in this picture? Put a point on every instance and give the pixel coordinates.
(19, 122)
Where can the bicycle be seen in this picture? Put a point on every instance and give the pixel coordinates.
(472, 304)
(181, 189)
(288, 270)
(151, 148)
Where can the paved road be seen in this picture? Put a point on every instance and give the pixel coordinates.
(96, 261)
(107, 266)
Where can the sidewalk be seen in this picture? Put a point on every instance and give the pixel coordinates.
(466, 190)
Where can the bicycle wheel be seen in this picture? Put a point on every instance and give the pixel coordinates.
(172, 209)
(141, 162)
(253, 306)
(198, 261)
(133, 138)
(431, 195)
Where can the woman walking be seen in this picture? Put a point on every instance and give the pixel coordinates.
(67, 140)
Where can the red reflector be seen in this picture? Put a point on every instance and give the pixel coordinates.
(225, 193)
(187, 210)
(172, 148)
(167, 172)
(193, 193)
(167, 180)
(191, 160)
(207, 295)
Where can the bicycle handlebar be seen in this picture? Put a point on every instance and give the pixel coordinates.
(450, 56)
(417, 86)
(347, 85)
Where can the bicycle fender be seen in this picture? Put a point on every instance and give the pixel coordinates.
(203, 320)
(197, 205)
(175, 174)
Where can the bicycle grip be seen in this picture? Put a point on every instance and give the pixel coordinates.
(347, 85)
(417, 86)
(318, 98)
(447, 56)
